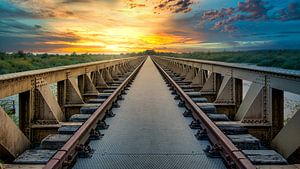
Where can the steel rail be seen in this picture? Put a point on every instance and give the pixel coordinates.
(65, 155)
(230, 153)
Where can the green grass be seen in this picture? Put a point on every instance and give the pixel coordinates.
(18, 62)
(287, 59)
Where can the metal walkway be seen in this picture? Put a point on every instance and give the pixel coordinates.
(149, 131)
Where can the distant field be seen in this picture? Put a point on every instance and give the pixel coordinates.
(18, 62)
(287, 59)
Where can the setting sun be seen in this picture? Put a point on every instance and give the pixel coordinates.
(121, 26)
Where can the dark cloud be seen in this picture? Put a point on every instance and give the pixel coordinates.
(69, 13)
(175, 6)
(186, 26)
(13, 25)
(38, 26)
(57, 37)
(13, 28)
(13, 44)
(217, 14)
(8, 10)
(292, 12)
(135, 5)
(256, 9)
(37, 42)
(15, 35)
(18, 9)
(250, 10)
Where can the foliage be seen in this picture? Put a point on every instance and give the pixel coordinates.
(20, 61)
(287, 59)
(8, 106)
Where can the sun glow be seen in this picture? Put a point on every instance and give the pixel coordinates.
(106, 27)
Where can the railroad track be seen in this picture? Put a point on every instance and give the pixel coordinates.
(229, 139)
(72, 140)
(150, 128)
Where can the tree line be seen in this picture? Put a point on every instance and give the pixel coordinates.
(22, 61)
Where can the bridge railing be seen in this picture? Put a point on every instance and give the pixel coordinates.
(40, 110)
(14, 83)
(261, 110)
(80, 137)
(286, 80)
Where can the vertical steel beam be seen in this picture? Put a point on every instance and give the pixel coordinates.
(213, 83)
(25, 114)
(73, 95)
(199, 79)
(256, 111)
(121, 69)
(61, 93)
(226, 93)
(229, 96)
(81, 84)
(238, 93)
(252, 106)
(117, 70)
(184, 70)
(277, 111)
(46, 107)
(190, 75)
(98, 79)
(107, 76)
(69, 96)
(86, 85)
(113, 72)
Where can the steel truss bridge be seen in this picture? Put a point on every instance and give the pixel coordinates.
(150, 112)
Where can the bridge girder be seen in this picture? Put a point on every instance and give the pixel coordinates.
(262, 109)
(12, 140)
(40, 111)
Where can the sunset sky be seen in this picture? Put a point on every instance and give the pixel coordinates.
(118, 26)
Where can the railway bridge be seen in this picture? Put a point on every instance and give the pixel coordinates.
(150, 112)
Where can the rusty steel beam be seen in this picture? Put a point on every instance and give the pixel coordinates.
(86, 86)
(12, 140)
(68, 151)
(230, 153)
(251, 104)
(15, 83)
(45, 105)
(279, 79)
(287, 141)
(226, 93)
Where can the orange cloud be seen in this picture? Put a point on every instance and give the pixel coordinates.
(104, 26)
